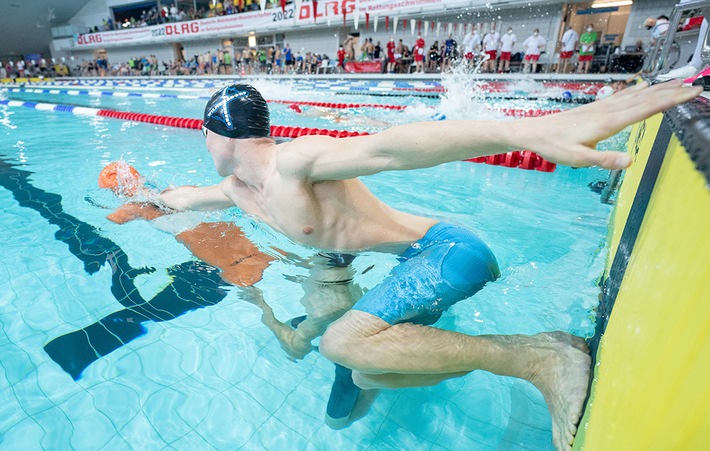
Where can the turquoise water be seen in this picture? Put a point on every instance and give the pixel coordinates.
(215, 377)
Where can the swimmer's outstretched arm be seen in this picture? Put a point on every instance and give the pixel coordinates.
(566, 138)
(204, 198)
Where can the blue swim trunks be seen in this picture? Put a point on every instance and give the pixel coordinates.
(447, 265)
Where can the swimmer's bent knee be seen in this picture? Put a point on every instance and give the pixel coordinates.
(347, 341)
(333, 345)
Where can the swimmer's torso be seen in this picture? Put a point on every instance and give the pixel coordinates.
(336, 215)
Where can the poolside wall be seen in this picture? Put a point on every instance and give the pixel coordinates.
(651, 387)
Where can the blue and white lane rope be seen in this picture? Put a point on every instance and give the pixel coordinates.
(78, 110)
(94, 93)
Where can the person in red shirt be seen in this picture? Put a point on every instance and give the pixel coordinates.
(419, 54)
(391, 60)
(341, 58)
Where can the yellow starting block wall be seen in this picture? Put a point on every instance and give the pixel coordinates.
(651, 386)
(33, 80)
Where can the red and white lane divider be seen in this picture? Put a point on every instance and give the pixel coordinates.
(340, 105)
(514, 112)
(96, 93)
(523, 159)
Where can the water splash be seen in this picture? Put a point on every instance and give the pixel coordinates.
(465, 96)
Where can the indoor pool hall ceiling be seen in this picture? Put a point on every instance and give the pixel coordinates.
(26, 25)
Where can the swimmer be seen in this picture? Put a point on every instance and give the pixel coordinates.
(615, 86)
(308, 189)
(337, 116)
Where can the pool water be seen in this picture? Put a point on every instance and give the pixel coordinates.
(210, 374)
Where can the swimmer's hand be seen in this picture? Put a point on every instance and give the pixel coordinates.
(570, 138)
(567, 138)
(137, 210)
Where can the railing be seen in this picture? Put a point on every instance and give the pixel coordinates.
(665, 43)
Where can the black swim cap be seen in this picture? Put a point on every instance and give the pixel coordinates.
(237, 111)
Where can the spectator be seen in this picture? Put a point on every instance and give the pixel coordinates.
(377, 53)
(363, 51)
(351, 45)
(658, 27)
(391, 58)
(370, 48)
(276, 69)
(246, 61)
(341, 58)
(288, 58)
(568, 44)
(227, 61)
(263, 57)
(534, 45)
(490, 45)
(449, 53)
(419, 51)
(471, 45)
(399, 53)
(299, 62)
(586, 51)
(507, 42)
(434, 57)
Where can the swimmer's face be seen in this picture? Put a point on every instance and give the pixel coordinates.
(217, 146)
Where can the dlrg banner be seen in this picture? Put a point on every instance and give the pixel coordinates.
(213, 26)
(300, 14)
(338, 8)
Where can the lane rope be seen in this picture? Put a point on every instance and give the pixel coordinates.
(514, 112)
(95, 93)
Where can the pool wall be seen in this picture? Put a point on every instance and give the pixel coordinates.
(650, 387)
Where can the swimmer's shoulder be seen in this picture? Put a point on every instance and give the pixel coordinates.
(297, 157)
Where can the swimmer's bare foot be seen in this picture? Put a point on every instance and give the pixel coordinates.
(562, 375)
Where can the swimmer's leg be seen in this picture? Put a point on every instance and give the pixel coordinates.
(369, 381)
(347, 402)
(342, 398)
(553, 362)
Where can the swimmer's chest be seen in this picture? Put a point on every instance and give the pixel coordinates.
(303, 211)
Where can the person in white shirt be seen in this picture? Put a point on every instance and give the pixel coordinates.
(533, 45)
(490, 46)
(507, 41)
(568, 44)
(658, 27)
(471, 45)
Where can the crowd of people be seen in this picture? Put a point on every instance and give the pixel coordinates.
(488, 52)
(246, 61)
(165, 14)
